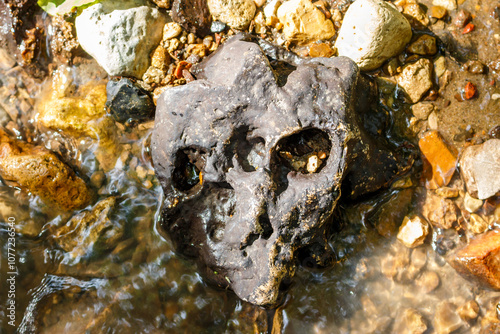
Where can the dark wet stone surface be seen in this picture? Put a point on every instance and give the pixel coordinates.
(254, 158)
(126, 101)
(192, 15)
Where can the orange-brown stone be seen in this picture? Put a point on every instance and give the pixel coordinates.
(42, 173)
(442, 158)
(480, 260)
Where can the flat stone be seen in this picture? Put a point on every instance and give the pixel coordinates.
(372, 32)
(303, 22)
(413, 231)
(43, 174)
(422, 110)
(120, 35)
(416, 79)
(479, 260)
(480, 167)
(425, 45)
(192, 15)
(235, 13)
(446, 319)
(441, 156)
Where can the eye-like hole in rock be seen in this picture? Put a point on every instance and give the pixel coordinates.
(303, 152)
(189, 164)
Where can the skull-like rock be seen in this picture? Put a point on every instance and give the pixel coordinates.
(251, 157)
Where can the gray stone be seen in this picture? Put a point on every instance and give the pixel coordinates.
(235, 13)
(480, 168)
(372, 32)
(126, 101)
(251, 156)
(120, 35)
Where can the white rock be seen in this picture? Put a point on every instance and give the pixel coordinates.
(448, 4)
(303, 22)
(271, 7)
(235, 13)
(472, 204)
(372, 32)
(120, 35)
(413, 231)
(480, 168)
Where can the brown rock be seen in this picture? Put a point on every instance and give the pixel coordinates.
(192, 15)
(446, 320)
(410, 322)
(438, 12)
(303, 22)
(416, 15)
(43, 174)
(422, 110)
(425, 45)
(480, 259)
(162, 3)
(321, 50)
(469, 311)
(441, 157)
(440, 212)
(463, 17)
(428, 281)
(416, 79)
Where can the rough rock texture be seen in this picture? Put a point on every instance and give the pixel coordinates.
(193, 15)
(42, 173)
(23, 35)
(235, 13)
(127, 101)
(413, 231)
(448, 4)
(372, 32)
(416, 79)
(480, 259)
(120, 35)
(81, 233)
(303, 22)
(480, 168)
(251, 157)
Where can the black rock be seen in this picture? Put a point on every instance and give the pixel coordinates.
(126, 101)
(251, 157)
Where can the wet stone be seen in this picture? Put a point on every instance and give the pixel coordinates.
(441, 156)
(428, 281)
(126, 101)
(469, 311)
(192, 15)
(42, 173)
(416, 79)
(425, 45)
(446, 319)
(479, 260)
(413, 231)
(410, 321)
(248, 180)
